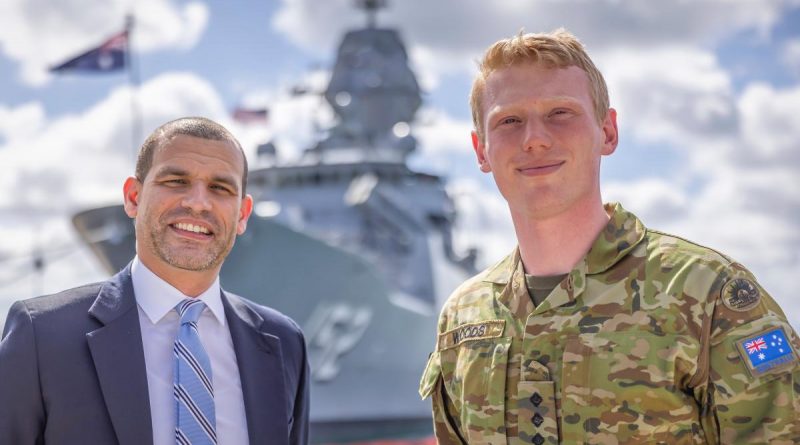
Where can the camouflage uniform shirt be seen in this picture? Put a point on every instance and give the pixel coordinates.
(649, 339)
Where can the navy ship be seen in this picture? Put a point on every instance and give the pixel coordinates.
(348, 241)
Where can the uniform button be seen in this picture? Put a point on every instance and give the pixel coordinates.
(537, 419)
(536, 399)
(538, 439)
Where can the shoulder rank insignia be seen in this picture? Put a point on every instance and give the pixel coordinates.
(471, 331)
(767, 351)
(740, 294)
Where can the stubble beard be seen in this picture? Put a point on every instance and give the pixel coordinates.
(186, 254)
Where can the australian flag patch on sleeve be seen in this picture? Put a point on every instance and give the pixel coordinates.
(767, 351)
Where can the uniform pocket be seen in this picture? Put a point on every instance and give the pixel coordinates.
(430, 385)
(430, 376)
(474, 375)
(624, 387)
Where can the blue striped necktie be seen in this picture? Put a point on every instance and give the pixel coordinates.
(195, 421)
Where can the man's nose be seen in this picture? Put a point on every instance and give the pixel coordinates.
(537, 137)
(197, 198)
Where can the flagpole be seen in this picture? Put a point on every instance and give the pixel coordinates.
(133, 83)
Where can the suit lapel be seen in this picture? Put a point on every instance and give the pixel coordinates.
(259, 357)
(118, 357)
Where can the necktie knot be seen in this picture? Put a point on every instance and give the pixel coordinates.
(189, 310)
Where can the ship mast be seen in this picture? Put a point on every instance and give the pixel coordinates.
(371, 7)
(374, 95)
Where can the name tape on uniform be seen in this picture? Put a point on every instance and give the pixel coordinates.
(767, 351)
(471, 331)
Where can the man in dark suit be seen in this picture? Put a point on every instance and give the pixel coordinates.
(95, 364)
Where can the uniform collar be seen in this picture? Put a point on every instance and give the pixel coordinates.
(156, 297)
(501, 272)
(622, 233)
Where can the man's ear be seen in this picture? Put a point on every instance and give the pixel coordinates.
(480, 152)
(610, 132)
(245, 211)
(130, 193)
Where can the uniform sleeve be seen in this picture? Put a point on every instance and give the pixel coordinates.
(22, 415)
(753, 392)
(445, 425)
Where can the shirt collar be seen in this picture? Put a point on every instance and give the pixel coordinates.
(156, 297)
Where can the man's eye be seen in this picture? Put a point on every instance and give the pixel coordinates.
(508, 120)
(221, 188)
(175, 181)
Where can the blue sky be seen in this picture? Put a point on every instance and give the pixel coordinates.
(708, 95)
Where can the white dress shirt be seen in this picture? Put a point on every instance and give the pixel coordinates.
(156, 300)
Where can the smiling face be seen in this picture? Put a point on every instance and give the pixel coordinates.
(189, 208)
(542, 141)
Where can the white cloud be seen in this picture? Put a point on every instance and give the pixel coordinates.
(163, 24)
(472, 25)
(654, 199)
(40, 33)
(430, 66)
(771, 125)
(21, 122)
(73, 163)
(74, 159)
(753, 176)
(790, 55)
(670, 93)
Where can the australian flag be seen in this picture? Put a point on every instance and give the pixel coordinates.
(768, 350)
(109, 56)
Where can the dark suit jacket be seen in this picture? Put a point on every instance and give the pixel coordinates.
(72, 369)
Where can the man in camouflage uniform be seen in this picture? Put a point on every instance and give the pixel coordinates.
(596, 329)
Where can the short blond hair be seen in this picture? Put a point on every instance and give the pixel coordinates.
(557, 49)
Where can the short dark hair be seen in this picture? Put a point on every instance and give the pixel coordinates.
(199, 127)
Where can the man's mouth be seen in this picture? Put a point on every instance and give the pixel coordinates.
(541, 169)
(188, 228)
